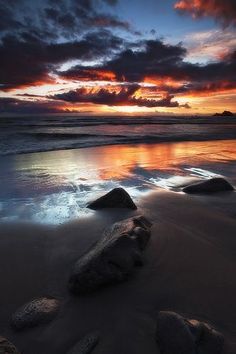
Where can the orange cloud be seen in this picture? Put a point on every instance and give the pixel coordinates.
(163, 81)
(222, 10)
(94, 75)
(210, 89)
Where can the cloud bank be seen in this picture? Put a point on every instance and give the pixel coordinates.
(85, 43)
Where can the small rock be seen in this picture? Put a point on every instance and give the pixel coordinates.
(85, 345)
(7, 347)
(113, 258)
(178, 335)
(117, 198)
(212, 185)
(38, 311)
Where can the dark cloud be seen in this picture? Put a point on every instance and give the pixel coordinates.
(36, 37)
(158, 60)
(111, 2)
(156, 57)
(224, 70)
(12, 105)
(8, 20)
(152, 57)
(222, 10)
(108, 21)
(28, 61)
(81, 17)
(56, 19)
(205, 87)
(123, 97)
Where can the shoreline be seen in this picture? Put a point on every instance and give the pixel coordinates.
(189, 268)
(146, 141)
(54, 187)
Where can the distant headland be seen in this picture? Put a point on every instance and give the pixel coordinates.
(224, 114)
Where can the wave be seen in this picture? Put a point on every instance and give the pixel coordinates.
(65, 122)
(31, 134)
(65, 136)
(120, 140)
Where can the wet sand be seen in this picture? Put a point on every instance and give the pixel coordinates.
(54, 187)
(189, 268)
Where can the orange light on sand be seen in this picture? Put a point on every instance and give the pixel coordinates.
(124, 159)
(121, 161)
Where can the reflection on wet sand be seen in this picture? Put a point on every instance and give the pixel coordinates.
(119, 161)
(54, 186)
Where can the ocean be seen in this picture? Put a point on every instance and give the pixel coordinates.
(51, 166)
(47, 133)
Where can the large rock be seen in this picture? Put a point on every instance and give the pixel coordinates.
(113, 258)
(117, 198)
(178, 335)
(212, 185)
(208, 340)
(38, 311)
(7, 347)
(224, 114)
(85, 345)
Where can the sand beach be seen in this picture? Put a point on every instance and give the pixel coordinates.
(189, 267)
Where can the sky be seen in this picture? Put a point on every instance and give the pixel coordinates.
(117, 56)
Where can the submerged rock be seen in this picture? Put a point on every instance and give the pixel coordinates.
(178, 335)
(85, 345)
(38, 311)
(117, 198)
(212, 185)
(113, 258)
(7, 347)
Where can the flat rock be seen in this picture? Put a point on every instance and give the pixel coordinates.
(178, 335)
(113, 258)
(85, 345)
(117, 198)
(7, 347)
(212, 185)
(36, 312)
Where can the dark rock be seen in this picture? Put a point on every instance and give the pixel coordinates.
(224, 114)
(208, 340)
(85, 345)
(212, 185)
(38, 311)
(117, 198)
(178, 335)
(113, 258)
(7, 347)
(174, 335)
